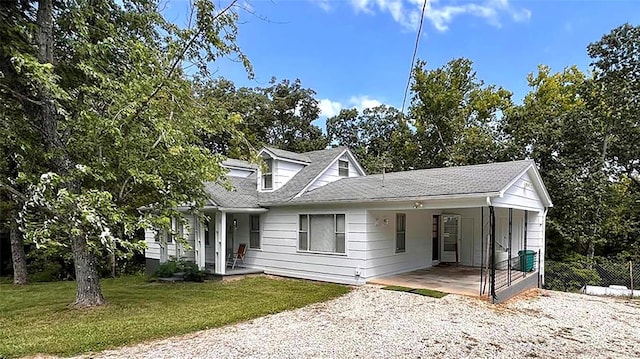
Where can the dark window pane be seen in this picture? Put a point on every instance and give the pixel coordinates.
(340, 243)
(400, 242)
(340, 223)
(303, 222)
(255, 223)
(267, 181)
(302, 241)
(254, 240)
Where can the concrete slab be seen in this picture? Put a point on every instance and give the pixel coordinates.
(449, 279)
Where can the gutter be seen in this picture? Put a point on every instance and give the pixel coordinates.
(383, 200)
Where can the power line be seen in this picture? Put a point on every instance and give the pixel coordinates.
(415, 51)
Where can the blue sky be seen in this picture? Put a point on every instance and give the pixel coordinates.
(357, 53)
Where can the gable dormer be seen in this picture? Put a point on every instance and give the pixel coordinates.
(279, 167)
(344, 166)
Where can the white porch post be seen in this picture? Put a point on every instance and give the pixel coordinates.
(198, 248)
(221, 242)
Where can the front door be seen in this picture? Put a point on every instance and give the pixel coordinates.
(450, 238)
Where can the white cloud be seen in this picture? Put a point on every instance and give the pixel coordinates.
(323, 4)
(329, 108)
(407, 12)
(363, 102)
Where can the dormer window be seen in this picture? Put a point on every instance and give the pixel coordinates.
(343, 168)
(267, 175)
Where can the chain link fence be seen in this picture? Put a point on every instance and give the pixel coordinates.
(574, 276)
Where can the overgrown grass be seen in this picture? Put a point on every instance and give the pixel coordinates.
(37, 318)
(424, 292)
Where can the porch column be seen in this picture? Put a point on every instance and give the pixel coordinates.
(198, 245)
(526, 222)
(221, 242)
(492, 258)
(510, 245)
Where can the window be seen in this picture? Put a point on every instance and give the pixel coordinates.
(343, 168)
(254, 234)
(322, 233)
(267, 176)
(401, 231)
(435, 233)
(206, 233)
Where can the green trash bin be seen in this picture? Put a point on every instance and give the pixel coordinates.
(526, 260)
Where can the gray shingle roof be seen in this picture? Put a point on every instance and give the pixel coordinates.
(244, 194)
(301, 157)
(463, 180)
(232, 162)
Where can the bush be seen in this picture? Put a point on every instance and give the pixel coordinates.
(191, 271)
(569, 276)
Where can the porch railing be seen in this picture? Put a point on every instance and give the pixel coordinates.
(510, 271)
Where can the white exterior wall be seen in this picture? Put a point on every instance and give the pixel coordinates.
(331, 174)
(174, 249)
(535, 236)
(381, 256)
(283, 171)
(520, 195)
(280, 256)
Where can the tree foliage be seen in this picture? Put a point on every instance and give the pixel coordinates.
(112, 116)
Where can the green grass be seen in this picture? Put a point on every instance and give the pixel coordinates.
(424, 292)
(37, 318)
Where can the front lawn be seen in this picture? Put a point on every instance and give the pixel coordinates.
(37, 319)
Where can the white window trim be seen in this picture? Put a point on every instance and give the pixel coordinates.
(340, 254)
(340, 161)
(252, 231)
(270, 173)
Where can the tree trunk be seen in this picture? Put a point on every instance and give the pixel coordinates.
(88, 291)
(17, 254)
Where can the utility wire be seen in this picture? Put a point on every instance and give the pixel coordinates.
(415, 51)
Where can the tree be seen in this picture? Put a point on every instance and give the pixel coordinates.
(455, 115)
(118, 121)
(280, 115)
(614, 96)
(379, 137)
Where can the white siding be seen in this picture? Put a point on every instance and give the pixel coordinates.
(382, 259)
(331, 174)
(280, 256)
(535, 236)
(283, 171)
(522, 195)
(153, 247)
(174, 249)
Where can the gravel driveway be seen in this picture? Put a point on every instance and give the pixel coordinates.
(374, 323)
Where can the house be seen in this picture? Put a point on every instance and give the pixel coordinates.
(317, 215)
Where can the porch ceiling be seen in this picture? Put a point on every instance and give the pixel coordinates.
(449, 279)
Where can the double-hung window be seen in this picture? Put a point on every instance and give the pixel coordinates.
(322, 233)
(401, 232)
(343, 168)
(267, 175)
(254, 233)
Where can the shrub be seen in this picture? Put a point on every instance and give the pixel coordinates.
(191, 271)
(569, 276)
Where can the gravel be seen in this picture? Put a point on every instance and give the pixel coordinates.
(374, 323)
